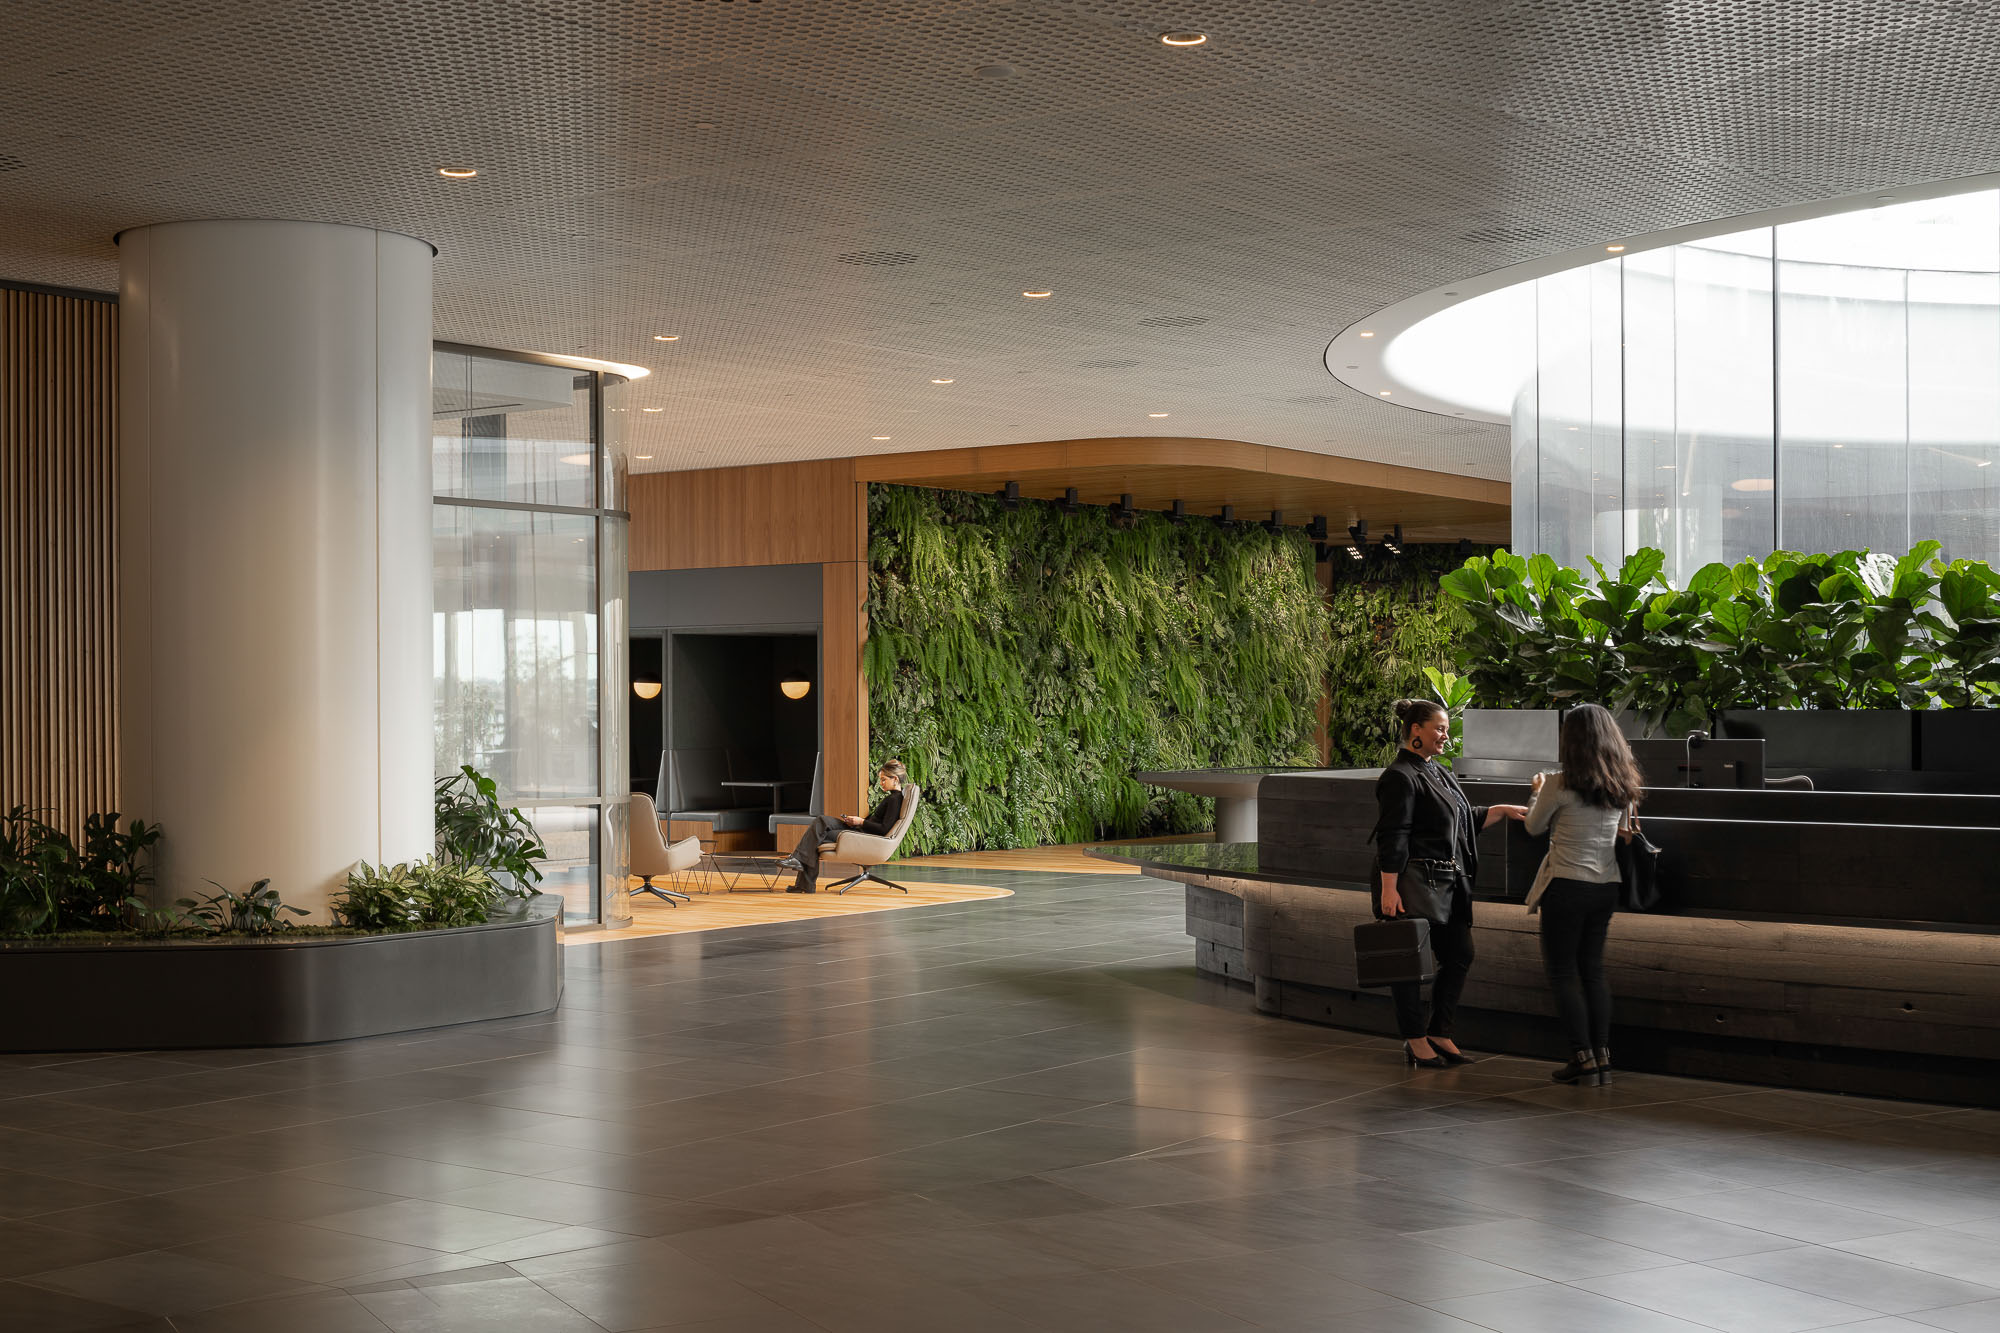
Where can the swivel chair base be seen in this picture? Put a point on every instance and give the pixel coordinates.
(672, 897)
(868, 877)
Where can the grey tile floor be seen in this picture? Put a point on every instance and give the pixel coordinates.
(1010, 1115)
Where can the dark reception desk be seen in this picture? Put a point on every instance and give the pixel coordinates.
(1846, 941)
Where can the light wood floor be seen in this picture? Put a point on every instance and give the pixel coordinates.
(1067, 858)
(720, 909)
(715, 907)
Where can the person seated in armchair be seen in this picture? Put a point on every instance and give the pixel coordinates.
(826, 828)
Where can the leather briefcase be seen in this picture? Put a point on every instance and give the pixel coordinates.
(1388, 952)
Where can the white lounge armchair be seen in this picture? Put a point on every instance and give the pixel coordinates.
(653, 857)
(864, 851)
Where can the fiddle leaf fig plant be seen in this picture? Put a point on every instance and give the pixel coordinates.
(1851, 629)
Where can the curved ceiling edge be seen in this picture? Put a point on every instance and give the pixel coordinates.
(1356, 355)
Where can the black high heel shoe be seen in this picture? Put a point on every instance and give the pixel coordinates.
(1436, 1061)
(1581, 1070)
(1455, 1058)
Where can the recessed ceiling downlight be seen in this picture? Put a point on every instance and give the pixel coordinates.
(1038, 294)
(666, 337)
(1156, 414)
(1183, 38)
(1614, 249)
(879, 439)
(652, 409)
(458, 173)
(944, 381)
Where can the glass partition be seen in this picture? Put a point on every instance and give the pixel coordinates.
(1818, 385)
(529, 569)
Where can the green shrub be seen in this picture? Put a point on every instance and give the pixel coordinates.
(1848, 630)
(256, 911)
(419, 895)
(474, 829)
(47, 884)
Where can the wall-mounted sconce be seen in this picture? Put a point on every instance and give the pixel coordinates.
(646, 689)
(795, 689)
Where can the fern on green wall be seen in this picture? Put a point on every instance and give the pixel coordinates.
(1389, 622)
(1026, 663)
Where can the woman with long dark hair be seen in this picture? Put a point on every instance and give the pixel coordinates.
(1582, 807)
(1424, 820)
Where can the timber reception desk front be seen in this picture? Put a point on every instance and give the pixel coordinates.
(1847, 941)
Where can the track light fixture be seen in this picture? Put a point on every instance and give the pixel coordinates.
(1227, 518)
(1317, 528)
(1068, 505)
(1465, 548)
(1393, 542)
(1276, 522)
(1010, 495)
(1357, 539)
(1123, 509)
(1178, 514)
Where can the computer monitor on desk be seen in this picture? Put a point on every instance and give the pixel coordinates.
(1698, 762)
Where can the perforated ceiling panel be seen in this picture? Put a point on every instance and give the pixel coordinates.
(833, 204)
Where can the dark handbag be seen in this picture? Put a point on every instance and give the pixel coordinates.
(1397, 950)
(1638, 869)
(1425, 888)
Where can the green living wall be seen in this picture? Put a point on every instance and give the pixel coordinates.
(1388, 621)
(1025, 663)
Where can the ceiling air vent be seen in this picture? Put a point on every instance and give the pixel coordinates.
(8, 163)
(877, 258)
(1173, 321)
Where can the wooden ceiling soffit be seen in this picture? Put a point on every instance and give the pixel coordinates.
(1208, 474)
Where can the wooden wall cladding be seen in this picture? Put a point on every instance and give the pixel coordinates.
(844, 701)
(58, 555)
(781, 514)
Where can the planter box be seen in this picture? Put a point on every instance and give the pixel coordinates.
(163, 996)
(1870, 740)
(1959, 740)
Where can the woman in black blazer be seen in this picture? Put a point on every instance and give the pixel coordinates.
(1424, 816)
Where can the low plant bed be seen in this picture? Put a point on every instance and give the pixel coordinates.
(125, 939)
(456, 937)
(291, 987)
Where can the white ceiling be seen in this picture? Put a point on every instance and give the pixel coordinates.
(1207, 218)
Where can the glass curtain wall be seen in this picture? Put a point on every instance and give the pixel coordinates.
(1814, 386)
(528, 534)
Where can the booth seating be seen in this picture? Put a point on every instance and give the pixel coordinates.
(653, 857)
(778, 823)
(862, 852)
(701, 807)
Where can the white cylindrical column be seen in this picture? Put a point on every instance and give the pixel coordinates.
(275, 559)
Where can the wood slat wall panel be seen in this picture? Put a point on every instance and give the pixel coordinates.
(58, 555)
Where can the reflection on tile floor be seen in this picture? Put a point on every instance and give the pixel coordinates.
(1017, 1114)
